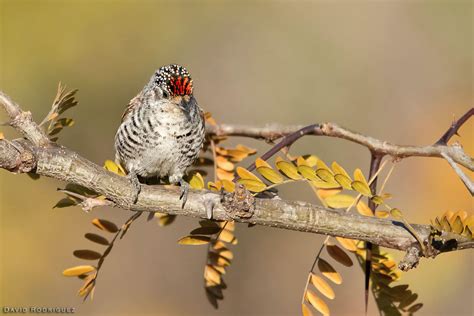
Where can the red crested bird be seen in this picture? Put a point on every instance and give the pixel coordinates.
(162, 130)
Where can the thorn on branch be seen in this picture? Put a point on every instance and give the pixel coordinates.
(454, 128)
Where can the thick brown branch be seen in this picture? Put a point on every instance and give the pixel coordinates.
(62, 164)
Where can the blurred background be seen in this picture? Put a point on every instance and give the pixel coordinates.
(396, 70)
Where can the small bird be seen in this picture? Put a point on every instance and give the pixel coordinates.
(162, 130)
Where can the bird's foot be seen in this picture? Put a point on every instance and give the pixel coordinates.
(137, 187)
(184, 191)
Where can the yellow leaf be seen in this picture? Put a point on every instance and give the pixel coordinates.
(248, 150)
(224, 164)
(324, 193)
(348, 244)
(344, 181)
(287, 168)
(227, 236)
(461, 214)
(194, 240)
(328, 271)
(270, 174)
(78, 270)
(307, 172)
(381, 214)
(339, 255)
(305, 310)
(2, 136)
(196, 181)
(317, 303)
(457, 225)
(212, 274)
(321, 165)
(364, 209)
(340, 201)
(377, 199)
(214, 186)
(113, 167)
(396, 213)
(224, 175)
(229, 186)
(245, 174)
(325, 175)
(337, 169)
(361, 187)
(359, 176)
(300, 161)
(320, 184)
(259, 162)
(253, 185)
(322, 286)
(311, 160)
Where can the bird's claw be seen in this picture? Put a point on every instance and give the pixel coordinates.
(184, 191)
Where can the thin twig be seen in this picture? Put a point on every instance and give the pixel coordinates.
(454, 128)
(464, 178)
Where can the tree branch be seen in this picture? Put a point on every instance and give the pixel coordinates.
(60, 163)
(456, 153)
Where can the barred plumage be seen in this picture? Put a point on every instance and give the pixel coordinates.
(162, 129)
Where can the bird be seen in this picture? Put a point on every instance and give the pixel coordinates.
(161, 131)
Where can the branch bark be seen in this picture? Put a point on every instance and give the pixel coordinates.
(60, 163)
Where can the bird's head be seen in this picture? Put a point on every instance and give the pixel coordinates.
(173, 81)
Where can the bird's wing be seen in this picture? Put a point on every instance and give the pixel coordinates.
(131, 105)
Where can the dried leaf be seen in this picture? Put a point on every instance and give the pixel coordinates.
(105, 225)
(214, 186)
(322, 286)
(224, 164)
(87, 254)
(270, 174)
(224, 175)
(382, 214)
(339, 201)
(164, 219)
(364, 209)
(78, 270)
(305, 310)
(212, 274)
(97, 239)
(328, 271)
(348, 244)
(194, 240)
(317, 303)
(339, 255)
